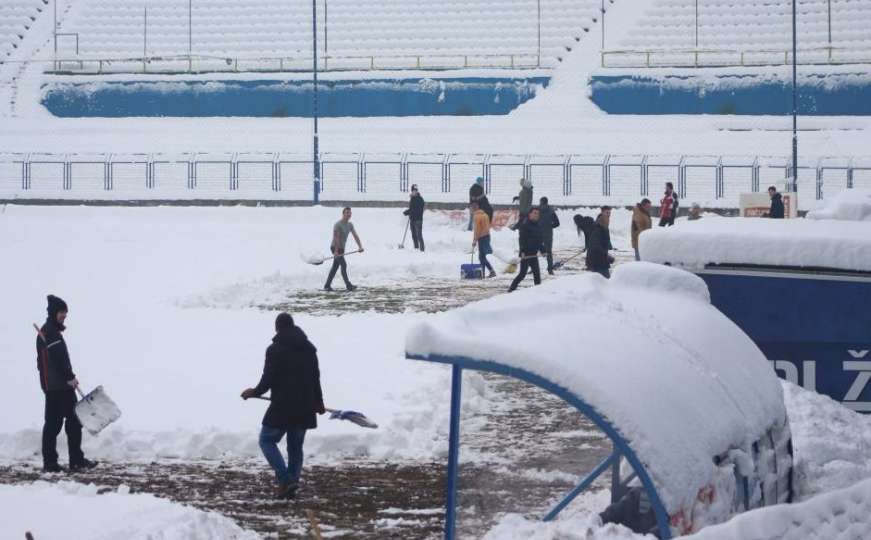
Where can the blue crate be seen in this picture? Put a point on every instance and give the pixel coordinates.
(471, 271)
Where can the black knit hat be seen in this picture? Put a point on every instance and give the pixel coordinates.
(55, 304)
(283, 322)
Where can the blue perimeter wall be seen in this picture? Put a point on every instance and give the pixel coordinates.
(752, 94)
(470, 96)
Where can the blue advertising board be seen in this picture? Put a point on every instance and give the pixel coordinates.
(813, 326)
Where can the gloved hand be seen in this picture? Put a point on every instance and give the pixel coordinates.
(247, 393)
(405, 213)
(321, 409)
(515, 199)
(74, 382)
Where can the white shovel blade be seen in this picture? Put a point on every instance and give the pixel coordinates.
(96, 411)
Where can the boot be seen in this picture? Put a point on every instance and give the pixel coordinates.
(83, 465)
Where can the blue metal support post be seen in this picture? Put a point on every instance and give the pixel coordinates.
(794, 182)
(585, 483)
(317, 168)
(453, 453)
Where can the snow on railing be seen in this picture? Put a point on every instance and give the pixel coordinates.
(707, 57)
(214, 64)
(712, 181)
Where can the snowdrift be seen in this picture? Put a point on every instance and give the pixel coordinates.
(693, 397)
(80, 511)
(837, 515)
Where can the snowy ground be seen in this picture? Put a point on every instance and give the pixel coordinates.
(171, 309)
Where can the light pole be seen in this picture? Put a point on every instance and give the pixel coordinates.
(538, 2)
(326, 53)
(794, 186)
(602, 9)
(316, 160)
(190, 34)
(54, 33)
(697, 25)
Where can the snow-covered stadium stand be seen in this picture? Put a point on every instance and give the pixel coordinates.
(250, 29)
(828, 31)
(16, 18)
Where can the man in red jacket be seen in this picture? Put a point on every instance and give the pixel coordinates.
(58, 383)
(292, 377)
(668, 206)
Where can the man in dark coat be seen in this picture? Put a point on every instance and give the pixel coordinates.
(414, 212)
(599, 243)
(58, 383)
(530, 245)
(777, 210)
(549, 221)
(292, 375)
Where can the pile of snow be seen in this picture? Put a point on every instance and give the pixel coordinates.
(79, 511)
(611, 344)
(848, 205)
(842, 245)
(832, 443)
(837, 515)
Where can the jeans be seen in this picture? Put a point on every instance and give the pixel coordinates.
(417, 234)
(60, 412)
(637, 255)
(269, 438)
(483, 250)
(339, 262)
(525, 266)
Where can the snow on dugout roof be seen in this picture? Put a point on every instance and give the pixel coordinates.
(678, 380)
(832, 238)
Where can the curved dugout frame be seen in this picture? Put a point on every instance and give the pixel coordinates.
(621, 446)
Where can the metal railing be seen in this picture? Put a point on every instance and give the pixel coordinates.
(181, 64)
(713, 181)
(705, 57)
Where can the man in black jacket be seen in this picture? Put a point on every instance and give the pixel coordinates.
(531, 240)
(599, 243)
(548, 221)
(776, 211)
(58, 383)
(291, 373)
(414, 212)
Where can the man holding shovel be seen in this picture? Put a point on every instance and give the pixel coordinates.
(292, 376)
(531, 240)
(58, 383)
(340, 237)
(416, 204)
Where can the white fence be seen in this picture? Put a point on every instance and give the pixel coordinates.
(705, 57)
(75, 65)
(712, 181)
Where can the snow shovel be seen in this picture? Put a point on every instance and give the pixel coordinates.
(402, 244)
(337, 414)
(559, 264)
(317, 259)
(96, 410)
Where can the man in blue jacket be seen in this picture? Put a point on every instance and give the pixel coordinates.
(293, 378)
(58, 383)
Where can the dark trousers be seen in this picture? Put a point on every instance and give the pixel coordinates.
(548, 245)
(417, 234)
(525, 266)
(60, 412)
(603, 271)
(339, 262)
(666, 221)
